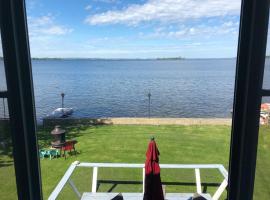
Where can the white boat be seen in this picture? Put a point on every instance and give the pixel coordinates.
(61, 112)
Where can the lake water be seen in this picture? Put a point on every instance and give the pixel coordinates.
(119, 88)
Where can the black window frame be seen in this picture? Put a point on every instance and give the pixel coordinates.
(247, 98)
(16, 52)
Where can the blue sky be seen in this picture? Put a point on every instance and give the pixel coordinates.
(133, 29)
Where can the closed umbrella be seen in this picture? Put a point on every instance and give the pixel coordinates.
(153, 187)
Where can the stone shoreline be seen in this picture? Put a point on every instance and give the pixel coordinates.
(139, 121)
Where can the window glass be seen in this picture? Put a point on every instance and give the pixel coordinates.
(114, 73)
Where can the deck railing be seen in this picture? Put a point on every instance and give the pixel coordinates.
(3, 108)
(66, 178)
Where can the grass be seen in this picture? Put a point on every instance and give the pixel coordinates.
(127, 144)
(262, 179)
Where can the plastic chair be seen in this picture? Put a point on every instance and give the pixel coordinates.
(42, 153)
(68, 146)
(53, 153)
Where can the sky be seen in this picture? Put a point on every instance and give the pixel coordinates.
(133, 28)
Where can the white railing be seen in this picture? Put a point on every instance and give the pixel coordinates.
(66, 178)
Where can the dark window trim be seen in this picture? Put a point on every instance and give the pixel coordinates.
(3, 94)
(247, 99)
(20, 98)
(265, 92)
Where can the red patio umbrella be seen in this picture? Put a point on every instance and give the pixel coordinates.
(153, 187)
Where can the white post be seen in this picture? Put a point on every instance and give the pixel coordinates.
(220, 190)
(94, 180)
(198, 181)
(143, 178)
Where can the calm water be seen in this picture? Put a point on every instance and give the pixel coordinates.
(183, 88)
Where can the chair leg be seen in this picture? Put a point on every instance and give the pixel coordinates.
(75, 151)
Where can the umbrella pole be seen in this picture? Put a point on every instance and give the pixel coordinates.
(149, 103)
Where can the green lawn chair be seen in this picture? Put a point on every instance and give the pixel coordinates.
(53, 153)
(42, 153)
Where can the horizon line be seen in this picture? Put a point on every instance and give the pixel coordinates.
(161, 58)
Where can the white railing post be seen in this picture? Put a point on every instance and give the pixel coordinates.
(220, 190)
(95, 166)
(94, 180)
(143, 179)
(198, 181)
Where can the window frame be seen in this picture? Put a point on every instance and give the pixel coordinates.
(17, 63)
(247, 98)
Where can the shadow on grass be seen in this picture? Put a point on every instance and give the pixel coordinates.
(43, 135)
(72, 133)
(115, 183)
(6, 153)
(6, 163)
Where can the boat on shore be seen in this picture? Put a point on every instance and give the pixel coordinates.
(61, 113)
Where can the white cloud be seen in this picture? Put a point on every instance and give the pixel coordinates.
(88, 7)
(57, 30)
(106, 1)
(167, 10)
(229, 28)
(46, 35)
(46, 26)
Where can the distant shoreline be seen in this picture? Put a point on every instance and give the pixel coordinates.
(132, 59)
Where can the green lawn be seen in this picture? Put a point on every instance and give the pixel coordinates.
(127, 144)
(262, 180)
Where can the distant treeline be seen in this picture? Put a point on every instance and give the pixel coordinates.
(165, 58)
(116, 59)
(173, 58)
(48, 58)
(127, 59)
